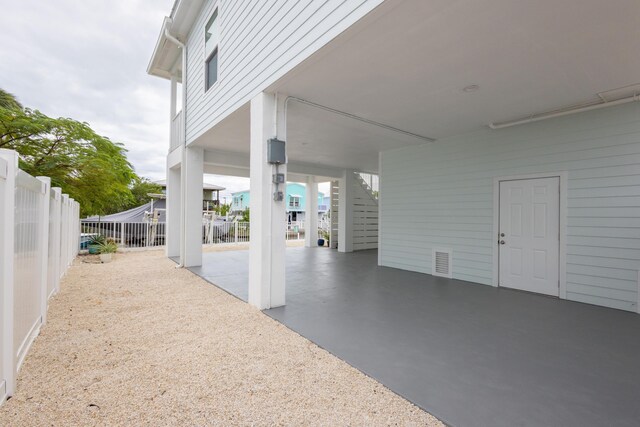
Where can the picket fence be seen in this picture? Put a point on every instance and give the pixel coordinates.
(39, 238)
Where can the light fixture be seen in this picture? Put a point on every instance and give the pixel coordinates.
(470, 88)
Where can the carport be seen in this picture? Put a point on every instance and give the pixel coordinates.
(469, 354)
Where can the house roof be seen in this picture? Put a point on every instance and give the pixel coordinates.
(166, 57)
(205, 185)
(133, 215)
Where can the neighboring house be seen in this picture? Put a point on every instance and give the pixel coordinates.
(210, 194)
(295, 199)
(506, 135)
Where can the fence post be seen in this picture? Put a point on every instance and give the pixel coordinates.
(8, 171)
(235, 231)
(57, 218)
(43, 241)
(70, 232)
(64, 233)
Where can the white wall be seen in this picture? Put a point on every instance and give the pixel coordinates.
(259, 42)
(441, 195)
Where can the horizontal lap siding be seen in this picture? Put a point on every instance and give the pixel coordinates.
(365, 219)
(441, 195)
(259, 42)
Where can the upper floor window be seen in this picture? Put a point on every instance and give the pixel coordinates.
(294, 201)
(211, 38)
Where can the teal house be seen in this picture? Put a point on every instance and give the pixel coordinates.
(295, 201)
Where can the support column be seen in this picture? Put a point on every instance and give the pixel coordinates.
(191, 237)
(311, 214)
(173, 99)
(345, 212)
(43, 252)
(173, 212)
(267, 244)
(55, 236)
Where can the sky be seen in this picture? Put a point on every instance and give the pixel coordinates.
(87, 59)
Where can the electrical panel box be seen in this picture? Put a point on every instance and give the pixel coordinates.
(278, 196)
(276, 154)
(278, 178)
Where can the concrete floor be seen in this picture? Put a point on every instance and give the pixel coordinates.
(472, 355)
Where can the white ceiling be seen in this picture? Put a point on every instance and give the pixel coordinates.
(405, 65)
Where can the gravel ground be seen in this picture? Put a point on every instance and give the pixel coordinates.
(139, 342)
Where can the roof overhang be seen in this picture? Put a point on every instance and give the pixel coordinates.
(165, 60)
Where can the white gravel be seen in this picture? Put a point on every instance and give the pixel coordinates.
(139, 342)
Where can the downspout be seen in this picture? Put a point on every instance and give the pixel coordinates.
(183, 47)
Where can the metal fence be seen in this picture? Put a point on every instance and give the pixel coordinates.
(39, 232)
(151, 235)
(125, 234)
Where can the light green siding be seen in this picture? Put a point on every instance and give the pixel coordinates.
(441, 195)
(240, 200)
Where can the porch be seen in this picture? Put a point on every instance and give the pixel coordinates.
(468, 354)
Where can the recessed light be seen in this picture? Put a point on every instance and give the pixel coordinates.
(470, 88)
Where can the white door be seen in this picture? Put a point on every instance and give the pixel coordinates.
(529, 236)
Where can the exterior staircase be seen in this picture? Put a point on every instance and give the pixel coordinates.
(365, 212)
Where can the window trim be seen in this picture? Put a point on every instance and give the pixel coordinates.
(214, 51)
(206, 70)
(294, 201)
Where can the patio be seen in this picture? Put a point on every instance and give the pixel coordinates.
(469, 354)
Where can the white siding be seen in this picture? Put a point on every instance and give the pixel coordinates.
(441, 195)
(259, 42)
(365, 218)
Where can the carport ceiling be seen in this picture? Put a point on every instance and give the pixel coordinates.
(407, 62)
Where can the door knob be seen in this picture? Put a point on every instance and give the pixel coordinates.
(501, 234)
(502, 242)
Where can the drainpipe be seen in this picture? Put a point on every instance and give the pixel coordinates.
(633, 98)
(183, 47)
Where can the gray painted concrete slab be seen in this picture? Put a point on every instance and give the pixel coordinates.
(470, 354)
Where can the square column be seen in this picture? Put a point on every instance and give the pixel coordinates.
(173, 212)
(345, 212)
(311, 214)
(267, 244)
(191, 237)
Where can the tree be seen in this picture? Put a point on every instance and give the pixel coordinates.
(141, 188)
(223, 209)
(246, 217)
(9, 101)
(90, 168)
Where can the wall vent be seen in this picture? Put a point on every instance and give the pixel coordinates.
(441, 260)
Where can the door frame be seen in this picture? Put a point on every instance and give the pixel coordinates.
(562, 253)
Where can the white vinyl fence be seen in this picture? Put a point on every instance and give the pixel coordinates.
(39, 237)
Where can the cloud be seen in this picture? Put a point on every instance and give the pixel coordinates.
(87, 60)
